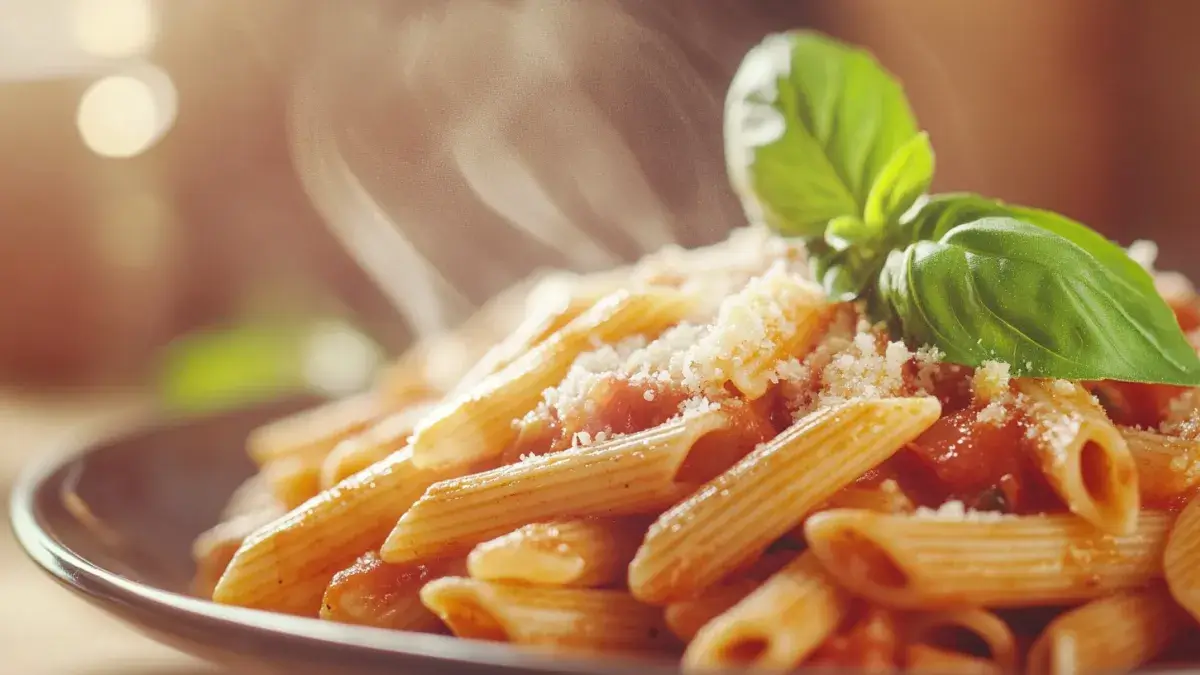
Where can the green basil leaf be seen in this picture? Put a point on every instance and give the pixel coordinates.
(1000, 288)
(810, 125)
(904, 178)
(943, 212)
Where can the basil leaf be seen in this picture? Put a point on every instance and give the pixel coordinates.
(904, 178)
(1000, 288)
(810, 125)
(943, 212)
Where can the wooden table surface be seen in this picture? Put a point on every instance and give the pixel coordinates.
(43, 628)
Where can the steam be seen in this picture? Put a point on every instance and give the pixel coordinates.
(459, 146)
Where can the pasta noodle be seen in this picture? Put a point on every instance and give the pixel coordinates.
(931, 562)
(631, 475)
(1082, 454)
(313, 433)
(1180, 560)
(373, 593)
(1168, 467)
(771, 490)
(286, 566)
(953, 634)
(1113, 634)
(372, 445)
(293, 480)
(580, 553)
(922, 658)
(478, 424)
(777, 625)
(581, 619)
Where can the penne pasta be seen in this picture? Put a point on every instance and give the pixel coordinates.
(478, 424)
(735, 516)
(580, 619)
(932, 562)
(371, 445)
(777, 626)
(286, 565)
(1181, 560)
(314, 432)
(1083, 456)
(373, 593)
(887, 497)
(921, 658)
(293, 480)
(551, 306)
(579, 553)
(972, 634)
(1168, 467)
(1118, 633)
(213, 549)
(631, 475)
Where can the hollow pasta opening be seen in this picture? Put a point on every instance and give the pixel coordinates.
(864, 559)
(745, 650)
(959, 639)
(1095, 469)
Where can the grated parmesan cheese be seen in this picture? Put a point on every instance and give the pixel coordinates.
(1183, 416)
(1063, 387)
(697, 405)
(955, 510)
(862, 371)
(991, 381)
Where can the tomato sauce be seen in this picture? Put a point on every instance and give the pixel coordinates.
(986, 465)
(1135, 404)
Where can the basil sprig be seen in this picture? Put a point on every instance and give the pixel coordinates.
(821, 144)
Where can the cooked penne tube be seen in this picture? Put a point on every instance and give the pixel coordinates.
(373, 593)
(933, 562)
(582, 553)
(576, 618)
(1083, 456)
(1181, 561)
(1115, 634)
(737, 515)
(551, 307)
(630, 475)
(478, 424)
(286, 565)
(314, 432)
(293, 480)
(884, 498)
(371, 445)
(777, 626)
(213, 549)
(966, 633)
(686, 617)
(921, 658)
(787, 314)
(1168, 467)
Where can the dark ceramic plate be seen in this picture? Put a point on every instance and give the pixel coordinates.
(114, 522)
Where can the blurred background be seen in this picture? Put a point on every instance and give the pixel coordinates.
(204, 202)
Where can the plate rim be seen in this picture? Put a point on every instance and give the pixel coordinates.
(102, 587)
